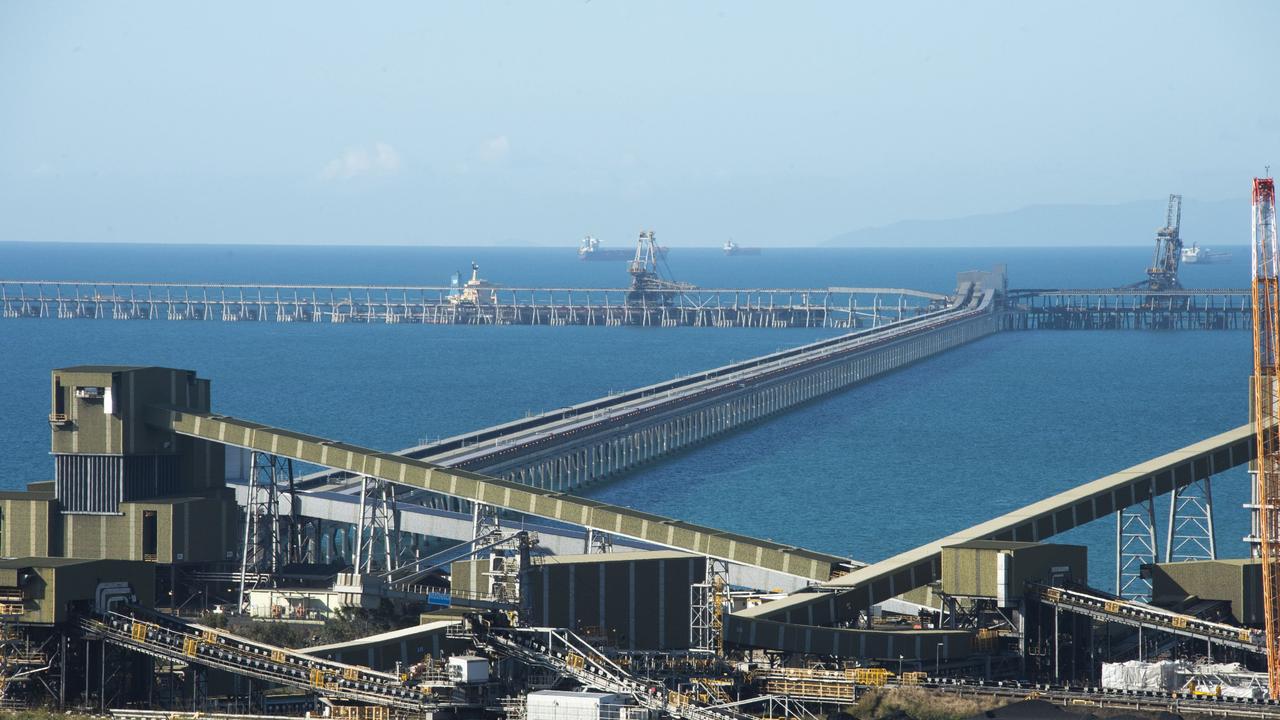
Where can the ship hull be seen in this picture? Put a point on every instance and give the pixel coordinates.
(1202, 259)
(612, 255)
(601, 255)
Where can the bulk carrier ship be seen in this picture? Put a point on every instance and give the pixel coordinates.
(590, 249)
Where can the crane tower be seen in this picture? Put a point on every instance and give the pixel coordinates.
(1163, 273)
(1265, 411)
(647, 284)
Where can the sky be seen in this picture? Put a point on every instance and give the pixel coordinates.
(492, 123)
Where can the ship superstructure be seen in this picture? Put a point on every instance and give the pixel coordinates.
(476, 291)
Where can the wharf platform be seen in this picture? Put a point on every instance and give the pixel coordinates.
(835, 307)
(1130, 309)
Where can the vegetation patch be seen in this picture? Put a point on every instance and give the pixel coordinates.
(918, 704)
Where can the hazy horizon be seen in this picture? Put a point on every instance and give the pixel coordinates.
(521, 125)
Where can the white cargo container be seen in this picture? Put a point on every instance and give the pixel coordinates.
(468, 669)
(564, 705)
(1137, 675)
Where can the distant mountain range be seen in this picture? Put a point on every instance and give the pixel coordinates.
(1213, 223)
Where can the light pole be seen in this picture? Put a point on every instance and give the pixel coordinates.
(899, 668)
(937, 661)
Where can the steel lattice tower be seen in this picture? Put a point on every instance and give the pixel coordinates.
(1266, 343)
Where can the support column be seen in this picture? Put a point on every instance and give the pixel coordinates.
(1190, 533)
(377, 513)
(1136, 546)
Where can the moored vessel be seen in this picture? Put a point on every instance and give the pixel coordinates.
(1196, 255)
(476, 291)
(732, 248)
(590, 249)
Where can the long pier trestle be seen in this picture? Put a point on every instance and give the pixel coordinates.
(836, 307)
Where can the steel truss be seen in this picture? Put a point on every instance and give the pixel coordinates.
(1136, 545)
(270, 538)
(707, 601)
(1190, 529)
(484, 521)
(379, 524)
(597, 541)
(1189, 535)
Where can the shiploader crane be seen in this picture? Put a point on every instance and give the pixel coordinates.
(1266, 344)
(647, 284)
(1163, 273)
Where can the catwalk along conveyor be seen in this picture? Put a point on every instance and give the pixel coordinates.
(169, 637)
(569, 656)
(1110, 608)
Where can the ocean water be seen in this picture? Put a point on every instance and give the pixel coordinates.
(870, 472)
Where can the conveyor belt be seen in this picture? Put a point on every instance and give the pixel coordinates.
(1079, 697)
(1106, 607)
(172, 638)
(568, 655)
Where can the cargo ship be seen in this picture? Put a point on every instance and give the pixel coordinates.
(590, 249)
(1196, 255)
(732, 248)
(476, 291)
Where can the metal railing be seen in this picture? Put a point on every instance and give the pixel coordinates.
(168, 637)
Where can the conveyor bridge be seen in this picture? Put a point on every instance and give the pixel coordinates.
(172, 638)
(504, 494)
(569, 447)
(800, 622)
(569, 656)
(1109, 608)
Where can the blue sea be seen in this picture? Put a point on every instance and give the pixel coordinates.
(867, 473)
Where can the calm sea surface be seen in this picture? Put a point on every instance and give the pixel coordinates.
(870, 472)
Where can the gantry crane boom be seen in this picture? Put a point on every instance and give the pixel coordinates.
(1266, 343)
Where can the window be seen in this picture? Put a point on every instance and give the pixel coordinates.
(149, 535)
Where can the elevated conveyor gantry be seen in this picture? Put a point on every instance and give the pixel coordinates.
(503, 494)
(569, 656)
(171, 638)
(798, 623)
(1109, 608)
